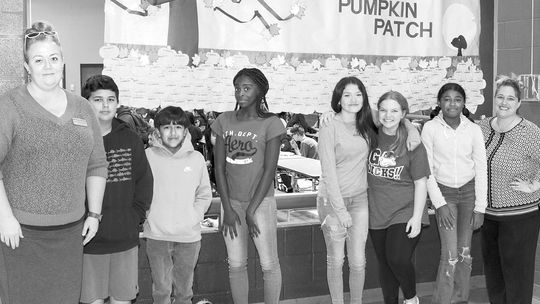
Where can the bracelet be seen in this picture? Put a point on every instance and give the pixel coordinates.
(95, 215)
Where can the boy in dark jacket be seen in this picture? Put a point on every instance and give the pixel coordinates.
(110, 262)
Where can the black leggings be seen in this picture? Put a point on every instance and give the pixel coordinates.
(394, 252)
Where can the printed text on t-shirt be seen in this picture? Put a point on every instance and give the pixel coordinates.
(240, 146)
(119, 165)
(383, 164)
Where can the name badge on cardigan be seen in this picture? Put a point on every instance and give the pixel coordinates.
(80, 122)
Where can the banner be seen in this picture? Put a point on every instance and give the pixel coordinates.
(127, 23)
(413, 47)
(363, 27)
(338, 27)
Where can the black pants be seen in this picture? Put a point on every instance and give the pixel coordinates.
(509, 250)
(394, 252)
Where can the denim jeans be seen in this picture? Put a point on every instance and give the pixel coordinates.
(172, 265)
(336, 237)
(509, 251)
(394, 250)
(266, 244)
(455, 265)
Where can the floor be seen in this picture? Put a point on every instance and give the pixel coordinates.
(478, 295)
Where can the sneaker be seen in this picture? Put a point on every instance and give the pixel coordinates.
(414, 300)
(204, 301)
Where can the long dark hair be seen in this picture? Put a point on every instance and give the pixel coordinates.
(262, 83)
(399, 146)
(451, 86)
(364, 121)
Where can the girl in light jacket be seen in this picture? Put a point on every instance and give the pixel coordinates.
(457, 188)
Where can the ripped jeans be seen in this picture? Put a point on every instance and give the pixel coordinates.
(454, 272)
(335, 237)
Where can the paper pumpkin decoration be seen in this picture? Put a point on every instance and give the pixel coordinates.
(109, 51)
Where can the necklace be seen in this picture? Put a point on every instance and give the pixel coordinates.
(502, 128)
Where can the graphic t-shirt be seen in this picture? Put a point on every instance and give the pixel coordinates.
(391, 183)
(245, 145)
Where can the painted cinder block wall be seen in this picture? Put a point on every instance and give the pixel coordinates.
(12, 23)
(517, 37)
(517, 50)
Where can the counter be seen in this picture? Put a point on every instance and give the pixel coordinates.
(302, 255)
(287, 204)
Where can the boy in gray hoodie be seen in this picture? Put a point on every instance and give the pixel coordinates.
(182, 194)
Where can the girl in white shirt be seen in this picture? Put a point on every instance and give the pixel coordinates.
(457, 188)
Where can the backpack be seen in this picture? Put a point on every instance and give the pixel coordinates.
(137, 123)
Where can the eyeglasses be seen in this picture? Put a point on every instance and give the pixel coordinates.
(37, 34)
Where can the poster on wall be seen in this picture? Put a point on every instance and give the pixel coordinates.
(193, 49)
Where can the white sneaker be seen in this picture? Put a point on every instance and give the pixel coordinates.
(204, 301)
(414, 300)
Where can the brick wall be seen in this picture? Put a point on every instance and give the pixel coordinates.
(12, 23)
(518, 51)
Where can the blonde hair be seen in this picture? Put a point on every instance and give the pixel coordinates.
(512, 81)
(38, 27)
(399, 146)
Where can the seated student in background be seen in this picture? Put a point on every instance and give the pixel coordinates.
(182, 194)
(300, 120)
(308, 146)
(110, 261)
(196, 133)
(283, 117)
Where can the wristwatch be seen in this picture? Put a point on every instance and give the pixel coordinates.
(95, 215)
